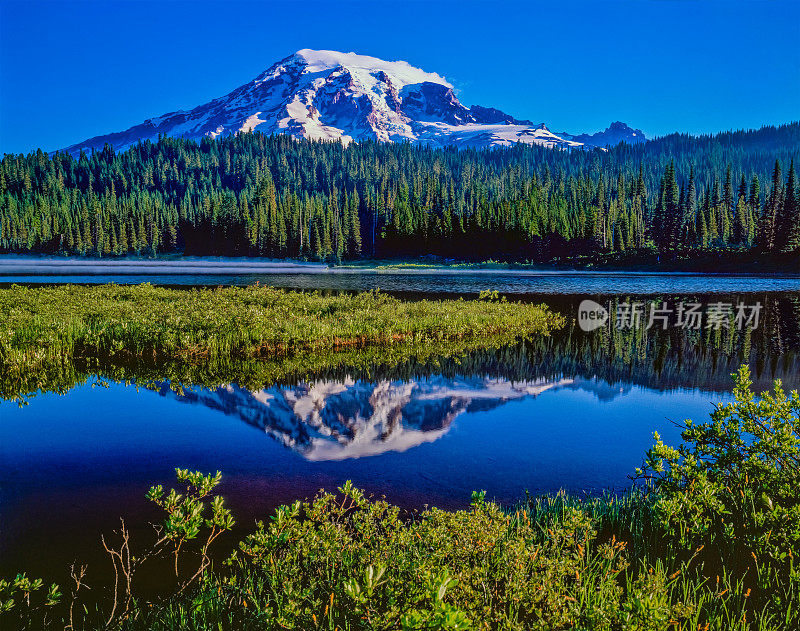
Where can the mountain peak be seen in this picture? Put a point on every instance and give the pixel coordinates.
(331, 95)
(614, 134)
(401, 71)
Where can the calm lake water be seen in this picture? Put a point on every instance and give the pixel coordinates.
(434, 281)
(576, 411)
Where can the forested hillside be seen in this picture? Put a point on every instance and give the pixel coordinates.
(278, 197)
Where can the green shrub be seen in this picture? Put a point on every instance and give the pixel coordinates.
(729, 496)
(346, 561)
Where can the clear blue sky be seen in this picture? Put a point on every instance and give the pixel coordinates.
(71, 70)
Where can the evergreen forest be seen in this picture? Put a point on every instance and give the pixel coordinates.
(273, 196)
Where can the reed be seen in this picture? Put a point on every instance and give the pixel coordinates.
(47, 333)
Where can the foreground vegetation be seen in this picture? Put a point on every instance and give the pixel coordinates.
(708, 542)
(46, 333)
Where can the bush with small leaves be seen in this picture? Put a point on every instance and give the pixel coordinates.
(25, 602)
(729, 496)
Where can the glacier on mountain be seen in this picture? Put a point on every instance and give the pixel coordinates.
(328, 95)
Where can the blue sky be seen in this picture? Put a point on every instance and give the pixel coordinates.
(71, 70)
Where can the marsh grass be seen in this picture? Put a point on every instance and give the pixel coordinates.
(50, 336)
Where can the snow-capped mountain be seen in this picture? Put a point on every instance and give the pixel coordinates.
(328, 95)
(337, 420)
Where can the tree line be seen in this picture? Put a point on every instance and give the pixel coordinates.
(274, 196)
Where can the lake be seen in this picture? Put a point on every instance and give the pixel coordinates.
(576, 410)
(433, 280)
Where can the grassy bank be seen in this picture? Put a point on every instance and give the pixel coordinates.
(233, 333)
(658, 358)
(708, 543)
(731, 260)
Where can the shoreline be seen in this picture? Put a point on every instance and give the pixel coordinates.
(25, 265)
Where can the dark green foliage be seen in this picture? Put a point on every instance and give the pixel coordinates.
(791, 212)
(729, 496)
(276, 197)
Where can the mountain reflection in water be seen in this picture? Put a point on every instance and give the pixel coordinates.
(348, 418)
(573, 410)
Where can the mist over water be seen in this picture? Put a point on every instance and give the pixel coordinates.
(423, 280)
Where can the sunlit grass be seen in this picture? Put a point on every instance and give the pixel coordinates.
(50, 335)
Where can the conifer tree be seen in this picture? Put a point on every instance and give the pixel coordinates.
(771, 215)
(690, 200)
(791, 210)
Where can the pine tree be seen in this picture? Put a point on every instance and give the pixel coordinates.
(354, 238)
(727, 197)
(123, 246)
(772, 212)
(702, 225)
(667, 221)
(690, 201)
(258, 195)
(791, 210)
